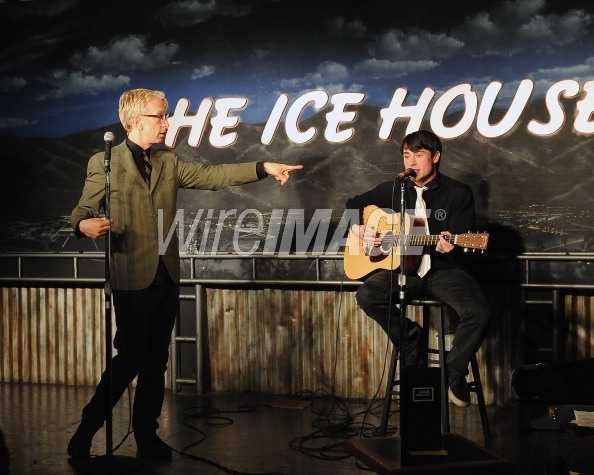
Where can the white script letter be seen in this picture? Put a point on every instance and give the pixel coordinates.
(519, 103)
(196, 122)
(585, 107)
(275, 117)
(338, 115)
(568, 88)
(396, 110)
(223, 120)
(319, 99)
(443, 103)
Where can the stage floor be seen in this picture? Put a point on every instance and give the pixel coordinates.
(254, 434)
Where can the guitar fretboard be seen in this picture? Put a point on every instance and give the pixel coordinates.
(391, 239)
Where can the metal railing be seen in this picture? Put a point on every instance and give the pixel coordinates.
(221, 269)
(558, 273)
(568, 271)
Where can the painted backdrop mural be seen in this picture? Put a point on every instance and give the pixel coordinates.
(509, 86)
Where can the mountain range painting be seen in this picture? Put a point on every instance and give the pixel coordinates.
(65, 63)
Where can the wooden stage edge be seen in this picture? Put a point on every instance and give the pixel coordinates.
(458, 455)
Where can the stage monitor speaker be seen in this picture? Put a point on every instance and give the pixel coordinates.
(420, 411)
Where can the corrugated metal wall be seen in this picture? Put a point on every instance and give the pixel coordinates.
(51, 335)
(261, 340)
(286, 341)
(579, 311)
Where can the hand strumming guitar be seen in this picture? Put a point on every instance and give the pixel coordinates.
(367, 234)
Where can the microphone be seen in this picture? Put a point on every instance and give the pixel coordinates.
(408, 173)
(108, 138)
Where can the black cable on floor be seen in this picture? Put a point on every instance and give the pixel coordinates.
(213, 417)
(334, 424)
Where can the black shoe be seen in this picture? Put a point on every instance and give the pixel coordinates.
(152, 448)
(459, 391)
(80, 444)
(417, 355)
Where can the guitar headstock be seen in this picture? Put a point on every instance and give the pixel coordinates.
(473, 241)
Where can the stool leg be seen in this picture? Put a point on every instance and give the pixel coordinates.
(391, 382)
(477, 386)
(445, 408)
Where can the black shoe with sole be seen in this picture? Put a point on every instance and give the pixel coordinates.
(80, 444)
(459, 391)
(152, 448)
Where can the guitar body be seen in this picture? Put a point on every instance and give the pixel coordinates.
(362, 259)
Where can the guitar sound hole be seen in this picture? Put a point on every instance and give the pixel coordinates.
(387, 242)
(379, 253)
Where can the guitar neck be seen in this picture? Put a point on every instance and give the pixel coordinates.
(477, 241)
(427, 239)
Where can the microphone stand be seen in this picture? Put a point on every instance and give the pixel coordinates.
(405, 429)
(108, 294)
(402, 277)
(409, 436)
(402, 282)
(402, 177)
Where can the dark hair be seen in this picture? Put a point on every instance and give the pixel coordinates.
(421, 140)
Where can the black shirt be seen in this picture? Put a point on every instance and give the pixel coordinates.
(138, 155)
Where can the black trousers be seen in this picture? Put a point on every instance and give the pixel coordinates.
(378, 297)
(4, 455)
(144, 320)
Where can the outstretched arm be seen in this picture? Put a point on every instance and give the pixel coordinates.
(280, 171)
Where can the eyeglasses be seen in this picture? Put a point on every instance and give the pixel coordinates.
(161, 117)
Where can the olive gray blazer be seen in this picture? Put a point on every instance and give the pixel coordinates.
(135, 208)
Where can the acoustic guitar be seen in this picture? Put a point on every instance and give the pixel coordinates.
(361, 258)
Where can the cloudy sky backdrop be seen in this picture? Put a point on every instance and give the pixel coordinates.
(64, 63)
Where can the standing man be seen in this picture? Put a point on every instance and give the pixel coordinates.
(145, 284)
(449, 209)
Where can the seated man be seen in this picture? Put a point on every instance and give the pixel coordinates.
(448, 208)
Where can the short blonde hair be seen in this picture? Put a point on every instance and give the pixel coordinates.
(132, 104)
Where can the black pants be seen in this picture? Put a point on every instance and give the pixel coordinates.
(4, 456)
(144, 320)
(378, 297)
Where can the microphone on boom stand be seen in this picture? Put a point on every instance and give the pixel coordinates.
(408, 173)
(108, 139)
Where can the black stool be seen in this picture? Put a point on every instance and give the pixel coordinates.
(475, 385)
